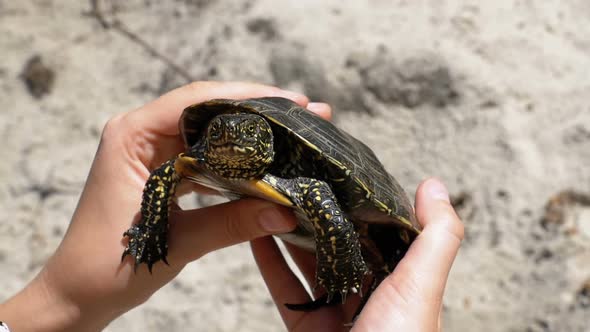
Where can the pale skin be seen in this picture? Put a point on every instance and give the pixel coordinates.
(84, 285)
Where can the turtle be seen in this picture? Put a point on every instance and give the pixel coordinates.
(350, 211)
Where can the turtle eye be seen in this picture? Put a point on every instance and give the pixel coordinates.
(214, 131)
(251, 129)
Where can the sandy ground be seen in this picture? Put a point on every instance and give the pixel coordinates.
(493, 97)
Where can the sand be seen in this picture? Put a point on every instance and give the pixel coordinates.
(492, 97)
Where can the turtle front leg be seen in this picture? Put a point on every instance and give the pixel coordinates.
(148, 239)
(340, 265)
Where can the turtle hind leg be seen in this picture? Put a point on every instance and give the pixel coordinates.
(340, 264)
(148, 239)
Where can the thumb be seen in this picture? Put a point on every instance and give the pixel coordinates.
(194, 233)
(410, 299)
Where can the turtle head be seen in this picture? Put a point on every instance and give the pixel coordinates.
(238, 146)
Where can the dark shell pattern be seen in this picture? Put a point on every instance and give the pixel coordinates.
(362, 185)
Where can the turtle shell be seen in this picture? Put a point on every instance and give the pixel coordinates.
(364, 188)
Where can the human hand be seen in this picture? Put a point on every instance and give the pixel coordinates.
(84, 285)
(409, 299)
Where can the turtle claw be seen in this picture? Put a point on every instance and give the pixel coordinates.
(146, 245)
(359, 291)
(322, 301)
(125, 253)
(328, 299)
(343, 295)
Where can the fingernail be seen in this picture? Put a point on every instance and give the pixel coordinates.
(437, 190)
(320, 108)
(273, 221)
(313, 106)
(293, 95)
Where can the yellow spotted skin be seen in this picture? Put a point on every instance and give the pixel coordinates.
(340, 264)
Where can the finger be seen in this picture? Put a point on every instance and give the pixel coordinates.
(195, 233)
(415, 289)
(305, 260)
(282, 283)
(435, 249)
(161, 115)
(322, 109)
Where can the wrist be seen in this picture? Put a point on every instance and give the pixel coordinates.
(39, 307)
